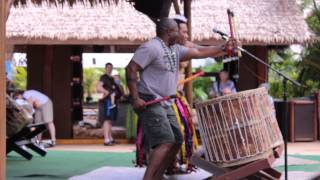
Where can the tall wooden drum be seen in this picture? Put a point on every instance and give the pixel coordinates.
(17, 117)
(238, 128)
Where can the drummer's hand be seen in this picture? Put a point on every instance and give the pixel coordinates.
(231, 45)
(138, 103)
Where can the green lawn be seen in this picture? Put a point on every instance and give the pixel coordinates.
(63, 164)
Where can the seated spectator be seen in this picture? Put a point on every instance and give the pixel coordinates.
(223, 86)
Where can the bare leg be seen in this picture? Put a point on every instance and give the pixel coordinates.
(107, 130)
(113, 96)
(160, 159)
(110, 131)
(113, 101)
(173, 163)
(52, 131)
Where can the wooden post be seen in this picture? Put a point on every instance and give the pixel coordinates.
(262, 70)
(176, 6)
(47, 71)
(188, 87)
(9, 4)
(3, 15)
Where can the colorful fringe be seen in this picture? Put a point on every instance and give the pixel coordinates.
(187, 129)
(184, 118)
(131, 123)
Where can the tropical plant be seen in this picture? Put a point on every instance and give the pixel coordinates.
(306, 68)
(310, 66)
(202, 86)
(20, 78)
(122, 74)
(286, 63)
(90, 77)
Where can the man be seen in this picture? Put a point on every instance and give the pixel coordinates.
(182, 39)
(43, 111)
(107, 105)
(157, 62)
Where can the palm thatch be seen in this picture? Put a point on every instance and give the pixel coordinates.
(63, 2)
(259, 22)
(154, 9)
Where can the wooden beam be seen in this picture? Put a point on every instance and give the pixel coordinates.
(95, 41)
(188, 87)
(9, 4)
(176, 6)
(47, 71)
(262, 70)
(105, 41)
(165, 9)
(3, 11)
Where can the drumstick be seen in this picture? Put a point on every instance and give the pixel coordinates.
(159, 100)
(201, 73)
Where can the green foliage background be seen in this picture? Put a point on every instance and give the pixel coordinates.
(202, 86)
(304, 67)
(20, 78)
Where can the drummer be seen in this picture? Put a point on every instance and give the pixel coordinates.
(157, 62)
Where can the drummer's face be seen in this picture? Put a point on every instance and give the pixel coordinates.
(173, 34)
(183, 33)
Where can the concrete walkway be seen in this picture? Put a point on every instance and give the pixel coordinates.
(306, 148)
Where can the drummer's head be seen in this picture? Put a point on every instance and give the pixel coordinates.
(183, 28)
(223, 75)
(167, 29)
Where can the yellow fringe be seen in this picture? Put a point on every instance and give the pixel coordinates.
(183, 146)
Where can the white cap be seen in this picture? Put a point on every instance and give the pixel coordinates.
(180, 18)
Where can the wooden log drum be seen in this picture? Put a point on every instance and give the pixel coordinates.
(238, 128)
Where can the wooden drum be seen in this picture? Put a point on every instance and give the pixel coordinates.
(238, 128)
(17, 117)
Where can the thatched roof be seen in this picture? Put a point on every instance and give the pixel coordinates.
(266, 22)
(64, 2)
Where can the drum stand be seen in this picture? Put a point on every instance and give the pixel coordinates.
(259, 169)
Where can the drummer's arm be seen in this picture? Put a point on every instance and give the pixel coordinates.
(190, 44)
(132, 71)
(204, 52)
(210, 51)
